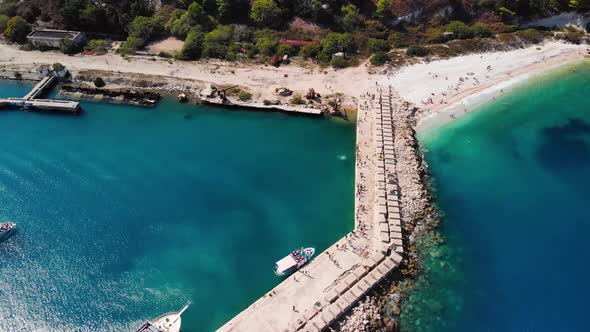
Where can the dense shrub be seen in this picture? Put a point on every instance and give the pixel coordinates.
(99, 82)
(40, 46)
(396, 40)
(339, 62)
(574, 37)
(460, 30)
(434, 35)
(417, 50)
(244, 96)
(530, 36)
(588, 27)
(297, 100)
(379, 59)
(481, 30)
(67, 46)
(286, 50)
(98, 46)
(377, 45)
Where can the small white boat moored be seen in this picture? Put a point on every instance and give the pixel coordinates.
(6, 229)
(170, 322)
(294, 261)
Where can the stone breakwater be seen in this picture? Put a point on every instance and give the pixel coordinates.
(380, 311)
(328, 287)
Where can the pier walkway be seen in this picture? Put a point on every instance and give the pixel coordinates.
(315, 297)
(28, 102)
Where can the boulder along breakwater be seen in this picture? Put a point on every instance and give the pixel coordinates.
(390, 304)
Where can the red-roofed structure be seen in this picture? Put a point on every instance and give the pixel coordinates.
(295, 43)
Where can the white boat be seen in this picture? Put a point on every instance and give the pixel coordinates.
(294, 261)
(170, 322)
(6, 229)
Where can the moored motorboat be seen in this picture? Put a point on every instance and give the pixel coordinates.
(294, 261)
(6, 229)
(170, 322)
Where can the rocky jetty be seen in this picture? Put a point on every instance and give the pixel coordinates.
(380, 310)
(114, 95)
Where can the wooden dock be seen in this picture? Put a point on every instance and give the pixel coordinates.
(28, 102)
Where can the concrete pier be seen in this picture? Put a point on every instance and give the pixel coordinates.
(324, 290)
(39, 87)
(28, 102)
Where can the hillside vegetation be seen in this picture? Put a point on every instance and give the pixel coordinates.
(340, 30)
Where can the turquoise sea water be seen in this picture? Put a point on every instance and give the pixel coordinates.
(126, 213)
(513, 182)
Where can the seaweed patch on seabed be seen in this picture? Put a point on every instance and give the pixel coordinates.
(554, 152)
(426, 295)
(558, 140)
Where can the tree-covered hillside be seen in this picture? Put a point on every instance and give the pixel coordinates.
(230, 29)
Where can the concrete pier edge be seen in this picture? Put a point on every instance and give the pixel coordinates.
(386, 244)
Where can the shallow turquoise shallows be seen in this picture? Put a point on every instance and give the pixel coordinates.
(126, 213)
(513, 180)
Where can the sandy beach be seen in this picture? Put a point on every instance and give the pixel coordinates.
(446, 89)
(441, 89)
(261, 80)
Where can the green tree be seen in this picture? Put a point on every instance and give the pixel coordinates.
(580, 5)
(267, 45)
(383, 9)
(351, 19)
(17, 29)
(193, 45)
(146, 28)
(3, 22)
(338, 42)
(460, 30)
(193, 16)
(141, 31)
(217, 41)
(8, 8)
(310, 51)
(265, 13)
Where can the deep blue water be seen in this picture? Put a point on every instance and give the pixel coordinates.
(126, 213)
(513, 180)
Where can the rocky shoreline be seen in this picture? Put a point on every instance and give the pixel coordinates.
(381, 309)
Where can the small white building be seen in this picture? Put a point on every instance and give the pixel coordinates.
(53, 38)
